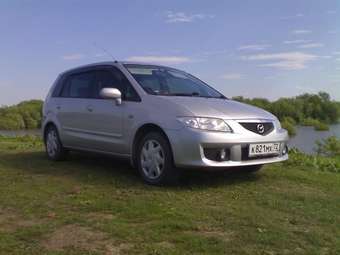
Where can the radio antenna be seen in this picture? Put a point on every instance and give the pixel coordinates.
(104, 50)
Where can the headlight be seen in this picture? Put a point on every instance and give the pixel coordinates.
(210, 124)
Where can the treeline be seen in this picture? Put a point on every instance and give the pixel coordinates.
(25, 115)
(316, 110)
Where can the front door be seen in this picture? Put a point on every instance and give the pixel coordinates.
(105, 118)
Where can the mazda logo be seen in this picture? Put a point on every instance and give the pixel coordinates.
(260, 128)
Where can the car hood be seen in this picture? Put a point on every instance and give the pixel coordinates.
(219, 108)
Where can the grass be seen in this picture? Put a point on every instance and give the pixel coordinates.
(317, 124)
(97, 205)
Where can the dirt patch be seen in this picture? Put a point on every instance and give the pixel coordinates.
(10, 220)
(118, 249)
(82, 238)
(166, 245)
(217, 233)
(100, 216)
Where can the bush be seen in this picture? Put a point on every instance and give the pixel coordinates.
(286, 124)
(290, 120)
(317, 162)
(321, 126)
(26, 115)
(12, 122)
(316, 124)
(329, 147)
(309, 122)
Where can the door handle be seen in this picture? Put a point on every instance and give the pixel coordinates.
(58, 107)
(89, 108)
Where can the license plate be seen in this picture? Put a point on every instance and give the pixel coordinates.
(261, 149)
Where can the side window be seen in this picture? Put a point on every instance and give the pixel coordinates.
(113, 78)
(79, 86)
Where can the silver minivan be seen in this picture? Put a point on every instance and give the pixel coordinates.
(164, 120)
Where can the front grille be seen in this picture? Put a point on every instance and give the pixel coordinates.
(261, 128)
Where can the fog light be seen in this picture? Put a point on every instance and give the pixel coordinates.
(223, 154)
(285, 150)
(217, 154)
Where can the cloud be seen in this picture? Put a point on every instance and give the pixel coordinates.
(160, 59)
(296, 41)
(336, 53)
(311, 45)
(232, 76)
(176, 17)
(301, 32)
(76, 56)
(332, 32)
(256, 47)
(283, 60)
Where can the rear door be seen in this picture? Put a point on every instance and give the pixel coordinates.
(72, 109)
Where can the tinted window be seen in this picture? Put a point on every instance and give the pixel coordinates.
(113, 78)
(79, 86)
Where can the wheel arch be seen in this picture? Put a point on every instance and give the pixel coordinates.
(140, 133)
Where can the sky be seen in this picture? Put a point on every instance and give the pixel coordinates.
(260, 48)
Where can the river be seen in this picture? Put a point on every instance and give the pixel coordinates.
(304, 139)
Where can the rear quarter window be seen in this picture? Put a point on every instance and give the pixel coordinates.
(58, 86)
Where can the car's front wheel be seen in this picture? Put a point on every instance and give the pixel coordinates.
(155, 161)
(54, 148)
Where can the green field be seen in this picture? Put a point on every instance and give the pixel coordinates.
(97, 205)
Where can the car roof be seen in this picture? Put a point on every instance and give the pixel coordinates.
(113, 63)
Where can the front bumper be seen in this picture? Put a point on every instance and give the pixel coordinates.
(188, 146)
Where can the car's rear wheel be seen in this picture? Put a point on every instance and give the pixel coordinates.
(54, 148)
(155, 160)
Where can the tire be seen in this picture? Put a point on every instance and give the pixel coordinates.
(53, 146)
(252, 169)
(155, 160)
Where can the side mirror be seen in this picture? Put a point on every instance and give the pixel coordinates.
(111, 93)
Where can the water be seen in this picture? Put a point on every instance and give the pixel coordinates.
(304, 140)
(306, 137)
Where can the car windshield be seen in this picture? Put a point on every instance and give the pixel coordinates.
(164, 81)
